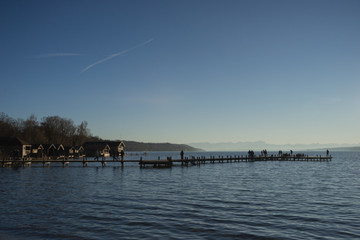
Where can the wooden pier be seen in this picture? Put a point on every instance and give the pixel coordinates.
(169, 162)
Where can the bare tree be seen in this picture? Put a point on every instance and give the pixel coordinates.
(59, 130)
(52, 129)
(82, 133)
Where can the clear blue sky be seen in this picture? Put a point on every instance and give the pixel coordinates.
(186, 71)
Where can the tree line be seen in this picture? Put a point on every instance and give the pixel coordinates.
(50, 130)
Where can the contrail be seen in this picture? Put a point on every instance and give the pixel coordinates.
(49, 55)
(117, 54)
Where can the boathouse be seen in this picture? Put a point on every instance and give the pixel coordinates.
(74, 151)
(71, 151)
(50, 151)
(96, 149)
(103, 148)
(14, 148)
(60, 151)
(116, 147)
(37, 151)
(79, 152)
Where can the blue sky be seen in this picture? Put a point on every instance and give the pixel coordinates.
(186, 71)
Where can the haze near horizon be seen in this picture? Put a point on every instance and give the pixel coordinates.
(284, 72)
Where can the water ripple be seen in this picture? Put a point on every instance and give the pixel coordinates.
(263, 200)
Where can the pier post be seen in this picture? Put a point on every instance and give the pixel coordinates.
(46, 163)
(65, 163)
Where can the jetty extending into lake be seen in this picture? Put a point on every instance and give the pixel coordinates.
(168, 162)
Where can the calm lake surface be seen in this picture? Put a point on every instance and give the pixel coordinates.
(260, 200)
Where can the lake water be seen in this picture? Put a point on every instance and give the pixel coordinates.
(260, 200)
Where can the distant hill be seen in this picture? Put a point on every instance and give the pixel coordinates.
(148, 147)
(346, 149)
(259, 145)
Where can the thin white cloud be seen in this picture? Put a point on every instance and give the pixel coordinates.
(117, 54)
(50, 55)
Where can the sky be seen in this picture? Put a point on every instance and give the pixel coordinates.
(280, 71)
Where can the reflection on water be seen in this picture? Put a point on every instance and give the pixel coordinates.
(262, 200)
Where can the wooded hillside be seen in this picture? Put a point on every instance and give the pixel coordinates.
(50, 130)
(58, 130)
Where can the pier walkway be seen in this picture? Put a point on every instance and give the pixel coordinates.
(169, 162)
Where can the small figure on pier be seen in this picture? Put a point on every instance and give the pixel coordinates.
(122, 154)
(251, 153)
(264, 152)
(327, 152)
(182, 155)
(96, 155)
(291, 152)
